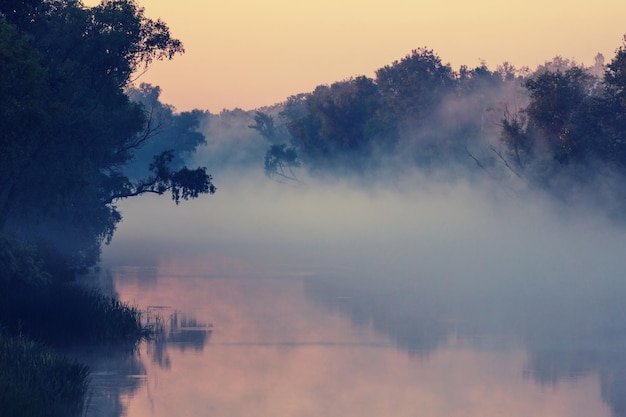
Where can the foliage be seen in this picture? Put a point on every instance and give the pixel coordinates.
(168, 131)
(19, 265)
(557, 101)
(64, 313)
(572, 121)
(183, 184)
(264, 124)
(280, 161)
(415, 85)
(71, 127)
(613, 116)
(560, 128)
(36, 382)
(340, 122)
(417, 110)
(516, 140)
(68, 130)
(22, 114)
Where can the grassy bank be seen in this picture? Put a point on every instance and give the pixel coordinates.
(62, 314)
(36, 382)
(38, 310)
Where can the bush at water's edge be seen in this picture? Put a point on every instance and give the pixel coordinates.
(62, 314)
(36, 382)
(55, 310)
(37, 308)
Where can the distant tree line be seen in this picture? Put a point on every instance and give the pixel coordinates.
(562, 123)
(573, 118)
(418, 105)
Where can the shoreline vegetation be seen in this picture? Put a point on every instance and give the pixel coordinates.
(39, 313)
(71, 132)
(35, 381)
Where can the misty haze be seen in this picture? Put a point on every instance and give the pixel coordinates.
(425, 240)
(450, 274)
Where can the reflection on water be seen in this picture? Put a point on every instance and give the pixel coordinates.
(173, 331)
(328, 300)
(293, 344)
(567, 336)
(117, 372)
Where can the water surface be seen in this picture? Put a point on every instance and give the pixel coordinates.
(337, 302)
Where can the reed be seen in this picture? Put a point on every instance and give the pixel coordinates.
(64, 314)
(36, 382)
(38, 306)
(52, 308)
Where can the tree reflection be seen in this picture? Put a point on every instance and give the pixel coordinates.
(415, 327)
(174, 330)
(613, 385)
(116, 372)
(567, 335)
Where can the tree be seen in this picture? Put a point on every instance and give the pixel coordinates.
(615, 75)
(613, 115)
(72, 126)
(517, 141)
(414, 86)
(264, 124)
(558, 102)
(183, 183)
(166, 131)
(23, 109)
(280, 161)
(572, 119)
(340, 124)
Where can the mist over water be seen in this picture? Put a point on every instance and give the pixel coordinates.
(428, 261)
(471, 244)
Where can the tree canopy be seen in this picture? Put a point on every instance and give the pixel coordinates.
(558, 128)
(69, 126)
(417, 108)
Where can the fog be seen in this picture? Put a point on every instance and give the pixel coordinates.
(420, 258)
(459, 239)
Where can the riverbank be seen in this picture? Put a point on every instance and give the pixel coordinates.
(36, 382)
(39, 312)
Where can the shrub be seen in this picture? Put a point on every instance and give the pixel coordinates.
(36, 382)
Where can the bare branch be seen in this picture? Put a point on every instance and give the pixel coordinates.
(506, 163)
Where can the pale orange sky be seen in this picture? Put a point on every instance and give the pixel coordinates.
(251, 53)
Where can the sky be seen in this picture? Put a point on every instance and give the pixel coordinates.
(252, 53)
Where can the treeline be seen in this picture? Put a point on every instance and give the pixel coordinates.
(416, 111)
(556, 128)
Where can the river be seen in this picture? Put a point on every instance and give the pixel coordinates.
(335, 300)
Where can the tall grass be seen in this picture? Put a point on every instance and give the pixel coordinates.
(48, 307)
(45, 307)
(63, 314)
(36, 382)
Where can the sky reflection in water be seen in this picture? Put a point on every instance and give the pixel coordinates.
(277, 348)
(328, 300)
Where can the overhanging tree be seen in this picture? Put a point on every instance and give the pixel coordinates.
(69, 128)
